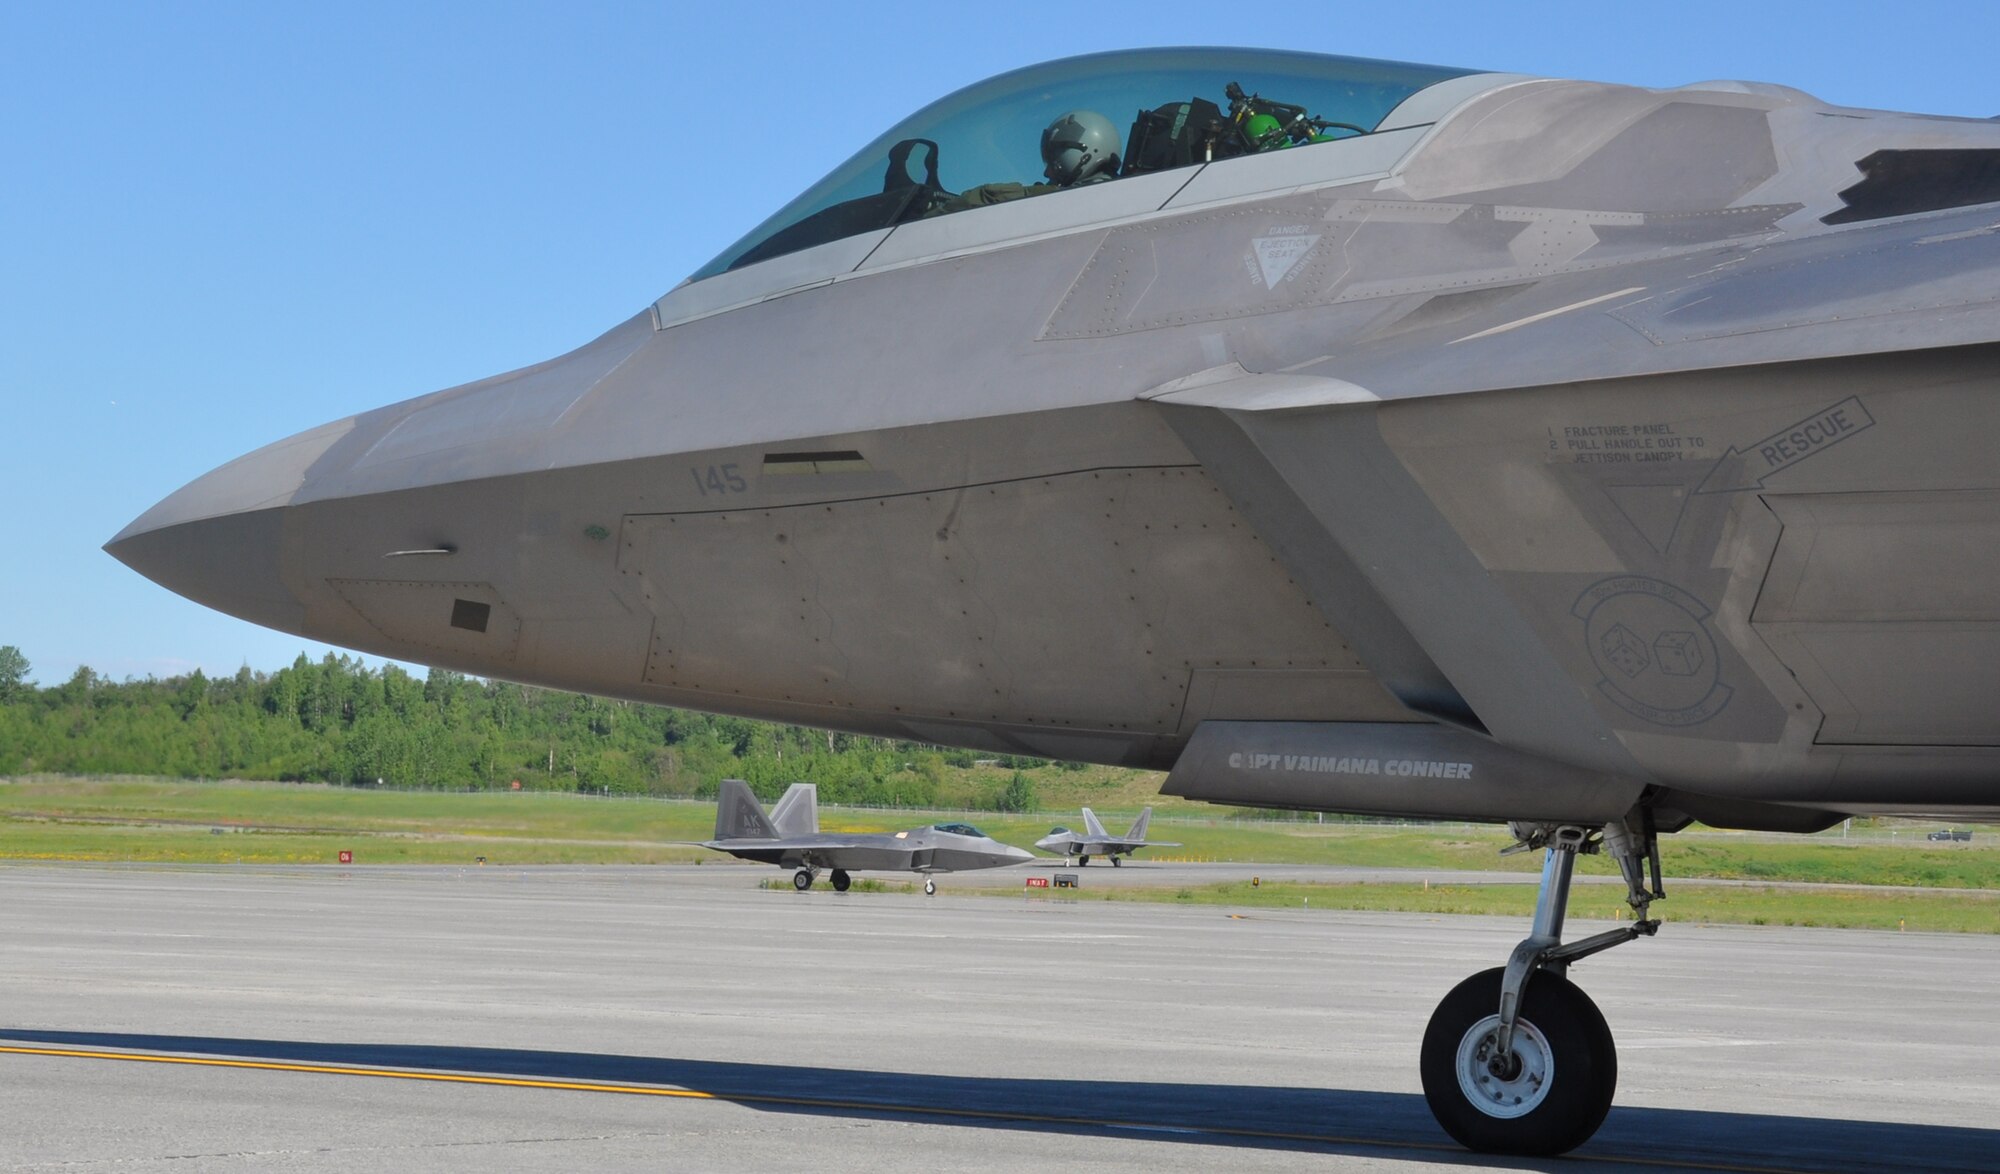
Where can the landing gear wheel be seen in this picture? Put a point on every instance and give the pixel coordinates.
(1552, 1090)
(1114, 862)
(840, 881)
(930, 887)
(802, 879)
(1082, 860)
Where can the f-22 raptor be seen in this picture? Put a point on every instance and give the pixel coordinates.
(789, 837)
(1336, 435)
(1095, 841)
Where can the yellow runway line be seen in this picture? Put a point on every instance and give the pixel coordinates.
(853, 1106)
(333, 1070)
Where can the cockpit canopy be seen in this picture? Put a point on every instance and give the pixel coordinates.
(1175, 108)
(1059, 831)
(960, 829)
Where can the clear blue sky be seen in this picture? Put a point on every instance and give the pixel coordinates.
(223, 223)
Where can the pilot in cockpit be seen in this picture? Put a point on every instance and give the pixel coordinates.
(1079, 148)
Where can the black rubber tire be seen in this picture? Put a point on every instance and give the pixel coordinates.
(1082, 860)
(1583, 1079)
(930, 887)
(1114, 862)
(802, 880)
(840, 881)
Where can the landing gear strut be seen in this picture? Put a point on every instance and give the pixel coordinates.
(930, 887)
(1514, 1066)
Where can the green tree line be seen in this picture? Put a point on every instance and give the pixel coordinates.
(339, 721)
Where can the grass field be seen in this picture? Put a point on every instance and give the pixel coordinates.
(148, 820)
(1938, 912)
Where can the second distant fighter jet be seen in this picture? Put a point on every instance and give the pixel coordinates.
(1095, 841)
(789, 837)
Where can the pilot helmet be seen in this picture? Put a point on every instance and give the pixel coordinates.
(1078, 146)
(1264, 133)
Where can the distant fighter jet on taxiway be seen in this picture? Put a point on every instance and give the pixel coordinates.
(790, 838)
(1095, 841)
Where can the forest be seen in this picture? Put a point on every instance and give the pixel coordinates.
(341, 721)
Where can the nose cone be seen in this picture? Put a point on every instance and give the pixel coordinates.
(1016, 855)
(219, 540)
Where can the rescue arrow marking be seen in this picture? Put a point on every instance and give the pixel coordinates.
(1741, 469)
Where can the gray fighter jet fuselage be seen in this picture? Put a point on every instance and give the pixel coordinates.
(1403, 441)
(790, 838)
(1095, 841)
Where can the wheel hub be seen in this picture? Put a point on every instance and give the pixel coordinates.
(1504, 1084)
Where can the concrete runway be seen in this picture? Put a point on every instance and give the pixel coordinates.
(680, 1018)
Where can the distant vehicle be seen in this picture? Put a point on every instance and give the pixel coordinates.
(1095, 841)
(1950, 834)
(789, 837)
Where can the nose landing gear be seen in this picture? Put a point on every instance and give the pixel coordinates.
(1518, 1067)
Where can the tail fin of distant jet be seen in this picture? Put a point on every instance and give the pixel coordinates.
(737, 816)
(1138, 831)
(1093, 828)
(797, 814)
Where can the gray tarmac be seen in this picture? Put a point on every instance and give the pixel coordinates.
(682, 1018)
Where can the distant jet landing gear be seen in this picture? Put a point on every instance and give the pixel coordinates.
(1517, 1067)
(930, 887)
(1114, 862)
(840, 880)
(803, 880)
(1083, 860)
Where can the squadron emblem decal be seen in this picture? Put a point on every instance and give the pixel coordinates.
(1650, 640)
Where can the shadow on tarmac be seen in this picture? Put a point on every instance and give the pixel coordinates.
(1317, 1120)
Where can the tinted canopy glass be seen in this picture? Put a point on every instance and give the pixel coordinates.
(1165, 108)
(960, 829)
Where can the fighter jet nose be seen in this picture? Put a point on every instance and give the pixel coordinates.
(218, 540)
(229, 563)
